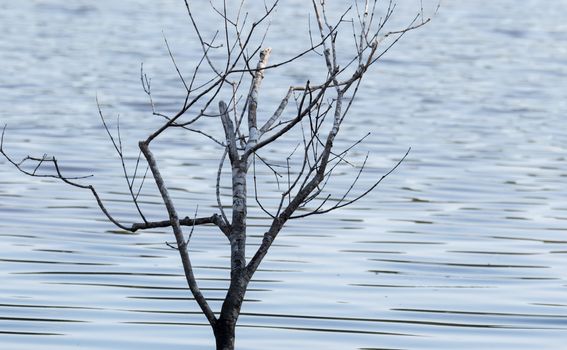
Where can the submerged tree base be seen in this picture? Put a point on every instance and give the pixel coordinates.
(225, 334)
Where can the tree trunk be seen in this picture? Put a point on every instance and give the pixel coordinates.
(224, 328)
(225, 334)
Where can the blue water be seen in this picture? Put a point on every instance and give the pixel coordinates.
(463, 247)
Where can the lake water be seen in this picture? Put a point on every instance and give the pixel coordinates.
(464, 247)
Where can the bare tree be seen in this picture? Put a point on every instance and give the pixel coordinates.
(318, 109)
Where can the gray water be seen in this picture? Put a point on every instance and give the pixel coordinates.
(463, 247)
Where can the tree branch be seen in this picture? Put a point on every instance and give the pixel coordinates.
(229, 132)
(187, 221)
(253, 98)
(180, 239)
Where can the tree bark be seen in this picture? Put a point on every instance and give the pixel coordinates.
(225, 326)
(225, 334)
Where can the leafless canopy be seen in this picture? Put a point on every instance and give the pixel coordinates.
(317, 108)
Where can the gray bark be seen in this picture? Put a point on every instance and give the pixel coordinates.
(177, 231)
(225, 334)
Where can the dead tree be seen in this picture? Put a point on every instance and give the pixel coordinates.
(317, 108)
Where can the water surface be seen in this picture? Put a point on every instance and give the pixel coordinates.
(464, 247)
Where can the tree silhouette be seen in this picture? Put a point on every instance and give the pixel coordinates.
(317, 108)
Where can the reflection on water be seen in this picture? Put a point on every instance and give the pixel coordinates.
(462, 248)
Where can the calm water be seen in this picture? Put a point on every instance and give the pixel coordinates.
(463, 248)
